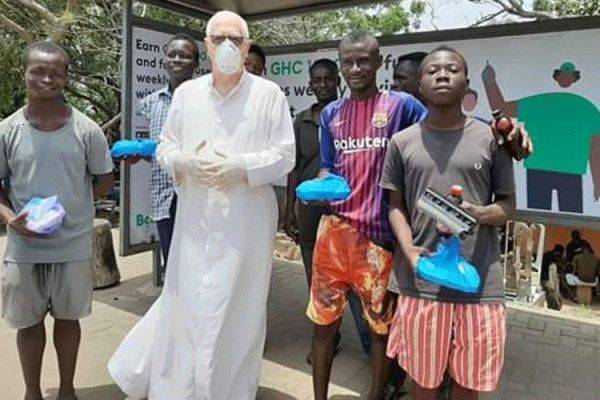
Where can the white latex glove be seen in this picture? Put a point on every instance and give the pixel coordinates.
(192, 168)
(228, 172)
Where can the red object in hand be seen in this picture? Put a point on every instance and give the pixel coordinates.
(456, 196)
(502, 123)
(456, 191)
(504, 126)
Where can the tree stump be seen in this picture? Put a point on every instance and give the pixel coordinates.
(106, 271)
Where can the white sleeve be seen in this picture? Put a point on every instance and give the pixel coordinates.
(271, 164)
(169, 146)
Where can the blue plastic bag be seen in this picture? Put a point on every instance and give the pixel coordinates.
(133, 148)
(44, 215)
(329, 188)
(447, 268)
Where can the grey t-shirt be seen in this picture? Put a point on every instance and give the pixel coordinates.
(62, 163)
(418, 159)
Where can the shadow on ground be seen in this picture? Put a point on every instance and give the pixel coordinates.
(105, 392)
(134, 295)
(272, 394)
(289, 331)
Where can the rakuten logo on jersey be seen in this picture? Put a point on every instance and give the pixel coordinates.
(352, 145)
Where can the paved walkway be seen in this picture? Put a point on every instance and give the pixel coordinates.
(548, 357)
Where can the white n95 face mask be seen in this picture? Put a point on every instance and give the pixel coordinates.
(228, 58)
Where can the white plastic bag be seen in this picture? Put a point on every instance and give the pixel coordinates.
(44, 215)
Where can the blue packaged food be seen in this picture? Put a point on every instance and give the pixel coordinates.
(329, 188)
(447, 268)
(135, 147)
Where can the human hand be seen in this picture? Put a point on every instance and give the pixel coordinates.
(19, 224)
(517, 142)
(291, 226)
(130, 160)
(473, 209)
(489, 73)
(226, 173)
(192, 168)
(413, 253)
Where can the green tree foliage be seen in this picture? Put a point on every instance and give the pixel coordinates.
(384, 19)
(540, 9)
(90, 31)
(564, 8)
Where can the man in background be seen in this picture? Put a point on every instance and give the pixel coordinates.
(255, 61)
(181, 59)
(406, 73)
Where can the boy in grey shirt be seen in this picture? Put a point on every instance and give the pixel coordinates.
(436, 328)
(49, 148)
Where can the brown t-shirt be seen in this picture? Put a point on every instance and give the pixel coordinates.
(417, 159)
(586, 267)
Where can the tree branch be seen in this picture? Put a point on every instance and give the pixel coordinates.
(15, 28)
(90, 99)
(514, 7)
(487, 18)
(68, 18)
(111, 122)
(47, 14)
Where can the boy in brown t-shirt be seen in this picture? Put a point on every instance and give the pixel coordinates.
(436, 328)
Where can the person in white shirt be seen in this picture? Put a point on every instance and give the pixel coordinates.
(227, 138)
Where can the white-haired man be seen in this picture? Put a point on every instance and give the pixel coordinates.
(227, 138)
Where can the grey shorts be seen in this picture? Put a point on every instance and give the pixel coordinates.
(29, 291)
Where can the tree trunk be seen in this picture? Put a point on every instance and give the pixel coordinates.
(106, 271)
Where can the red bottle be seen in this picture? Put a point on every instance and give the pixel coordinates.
(502, 123)
(455, 196)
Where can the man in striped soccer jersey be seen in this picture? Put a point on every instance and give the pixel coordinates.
(354, 244)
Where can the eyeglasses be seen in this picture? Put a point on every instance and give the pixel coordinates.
(218, 39)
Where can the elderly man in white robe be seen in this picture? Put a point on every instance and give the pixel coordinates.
(227, 138)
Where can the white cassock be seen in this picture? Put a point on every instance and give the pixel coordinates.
(203, 338)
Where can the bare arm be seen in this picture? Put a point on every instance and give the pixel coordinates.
(6, 210)
(291, 225)
(495, 214)
(18, 223)
(292, 184)
(103, 184)
(399, 220)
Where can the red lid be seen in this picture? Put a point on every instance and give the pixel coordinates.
(456, 191)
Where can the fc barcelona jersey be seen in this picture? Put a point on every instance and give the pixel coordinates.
(354, 138)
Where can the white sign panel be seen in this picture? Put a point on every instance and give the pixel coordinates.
(549, 81)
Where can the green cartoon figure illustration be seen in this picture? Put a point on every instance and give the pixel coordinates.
(565, 129)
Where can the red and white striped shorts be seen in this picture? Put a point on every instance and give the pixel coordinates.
(427, 337)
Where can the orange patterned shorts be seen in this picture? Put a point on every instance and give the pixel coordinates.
(346, 260)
